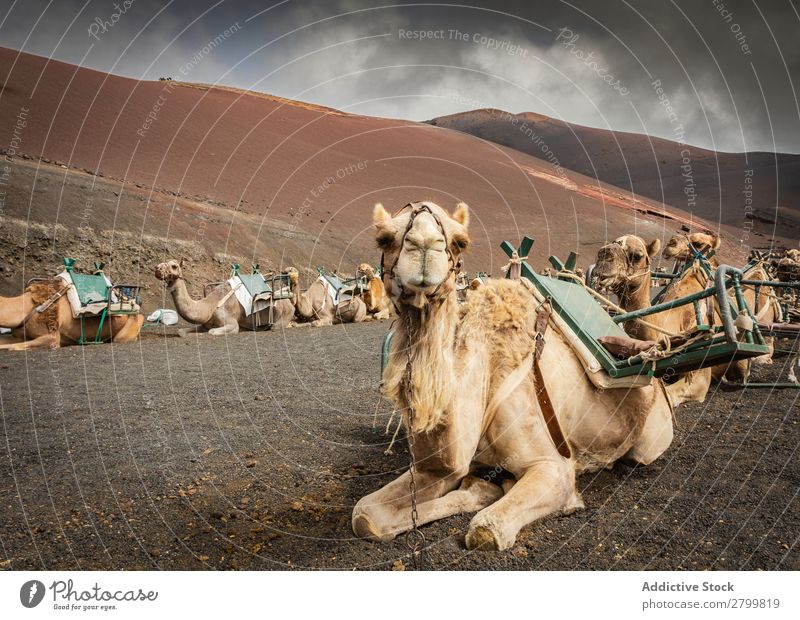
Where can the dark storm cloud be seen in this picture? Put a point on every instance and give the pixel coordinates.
(715, 73)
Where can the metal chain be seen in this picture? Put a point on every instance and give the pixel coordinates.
(415, 538)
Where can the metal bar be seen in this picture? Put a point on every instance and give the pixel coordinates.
(667, 305)
(724, 305)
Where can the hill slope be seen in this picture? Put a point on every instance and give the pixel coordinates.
(708, 184)
(136, 171)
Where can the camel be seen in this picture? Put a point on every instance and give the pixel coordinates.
(378, 303)
(684, 248)
(462, 376)
(219, 313)
(623, 267)
(315, 306)
(42, 318)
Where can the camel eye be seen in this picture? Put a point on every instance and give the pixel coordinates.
(460, 241)
(637, 256)
(385, 239)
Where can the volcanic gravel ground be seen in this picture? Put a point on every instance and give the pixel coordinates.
(249, 452)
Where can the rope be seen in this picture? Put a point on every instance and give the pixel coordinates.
(614, 306)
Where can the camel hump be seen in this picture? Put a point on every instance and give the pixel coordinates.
(504, 303)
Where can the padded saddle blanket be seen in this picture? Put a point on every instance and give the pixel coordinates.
(88, 294)
(251, 291)
(594, 321)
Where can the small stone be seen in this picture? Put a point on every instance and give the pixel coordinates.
(398, 565)
(298, 506)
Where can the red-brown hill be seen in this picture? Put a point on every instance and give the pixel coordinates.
(139, 170)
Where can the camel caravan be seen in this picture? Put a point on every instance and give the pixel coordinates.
(543, 376)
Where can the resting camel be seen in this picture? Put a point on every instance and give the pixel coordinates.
(683, 248)
(315, 305)
(378, 303)
(218, 313)
(472, 396)
(623, 267)
(42, 318)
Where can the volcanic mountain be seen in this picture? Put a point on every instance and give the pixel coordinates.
(132, 172)
(756, 192)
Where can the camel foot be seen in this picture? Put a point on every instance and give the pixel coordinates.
(364, 528)
(482, 538)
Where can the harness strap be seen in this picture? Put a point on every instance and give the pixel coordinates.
(513, 380)
(545, 404)
(45, 305)
(228, 295)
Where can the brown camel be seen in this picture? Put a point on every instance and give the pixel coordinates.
(218, 313)
(42, 318)
(378, 303)
(462, 376)
(623, 267)
(315, 306)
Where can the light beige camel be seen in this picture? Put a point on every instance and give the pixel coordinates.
(377, 301)
(682, 248)
(473, 398)
(315, 305)
(54, 326)
(218, 313)
(623, 267)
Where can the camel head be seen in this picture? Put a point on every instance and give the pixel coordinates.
(788, 267)
(170, 271)
(366, 270)
(294, 276)
(625, 263)
(422, 246)
(680, 246)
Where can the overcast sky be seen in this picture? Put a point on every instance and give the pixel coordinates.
(727, 68)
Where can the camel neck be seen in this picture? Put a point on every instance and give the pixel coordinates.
(13, 310)
(429, 335)
(191, 310)
(636, 296)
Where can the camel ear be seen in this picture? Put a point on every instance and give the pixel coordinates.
(461, 214)
(653, 247)
(716, 241)
(380, 215)
(181, 262)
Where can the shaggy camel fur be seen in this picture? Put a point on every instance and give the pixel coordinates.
(474, 397)
(623, 267)
(378, 303)
(218, 313)
(315, 305)
(55, 326)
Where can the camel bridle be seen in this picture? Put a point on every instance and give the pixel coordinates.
(631, 272)
(454, 262)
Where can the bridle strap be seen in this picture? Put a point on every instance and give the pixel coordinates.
(455, 263)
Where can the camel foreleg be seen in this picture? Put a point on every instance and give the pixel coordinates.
(195, 329)
(47, 341)
(378, 517)
(130, 330)
(228, 328)
(546, 487)
(691, 387)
